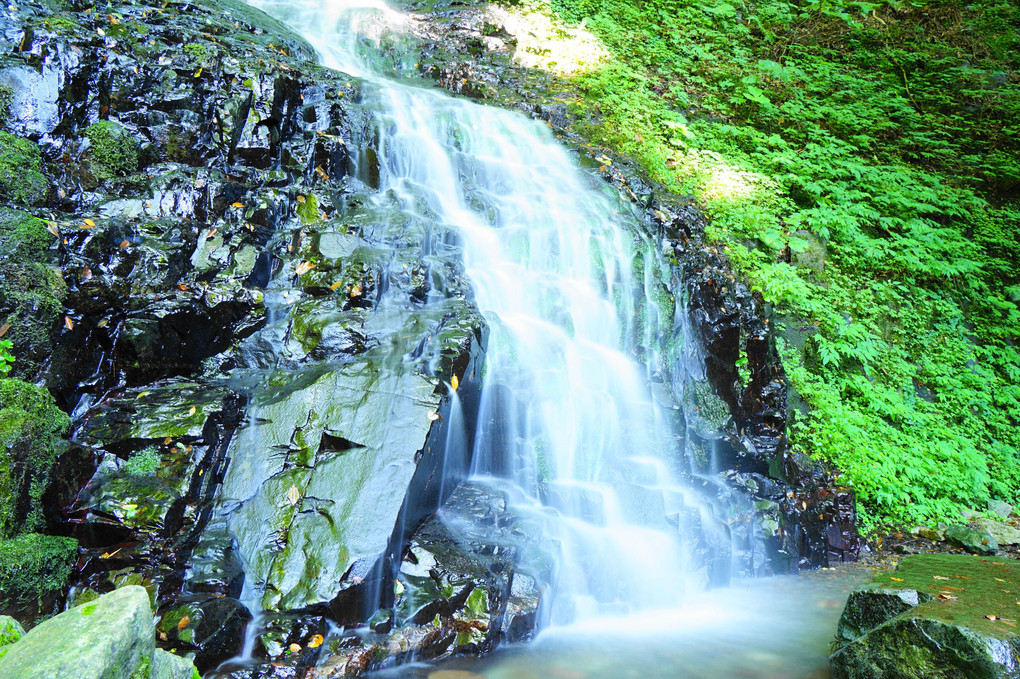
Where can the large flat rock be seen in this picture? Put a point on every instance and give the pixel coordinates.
(936, 616)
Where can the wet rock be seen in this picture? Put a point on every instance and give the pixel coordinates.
(471, 578)
(935, 616)
(974, 541)
(209, 626)
(929, 533)
(34, 571)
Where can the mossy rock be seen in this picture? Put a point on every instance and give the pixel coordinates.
(21, 178)
(10, 631)
(34, 570)
(937, 616)
(23, 238)
(112, 152)
(30, 429)
(31, 303)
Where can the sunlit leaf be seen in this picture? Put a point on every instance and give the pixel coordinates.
(454, 382)
(335, 285)
(315, 641)
(236, 204)
(304, 267)
(293, 495)
(183, 623)
(68, 323)
(192, 410)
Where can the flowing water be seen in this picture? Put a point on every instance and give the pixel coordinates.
(583, 371)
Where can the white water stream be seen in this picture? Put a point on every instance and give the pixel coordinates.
(569, 289)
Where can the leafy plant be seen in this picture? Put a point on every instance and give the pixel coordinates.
(6, 358)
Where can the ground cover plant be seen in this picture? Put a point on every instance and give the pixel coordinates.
(860, 163)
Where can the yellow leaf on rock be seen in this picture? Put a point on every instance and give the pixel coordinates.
(304, 267)
(895, 579)
(454, 382)
(300, 199)
(293, 495)
(315, 641)
(191, 410)
(236, 204)
(68, 323)
(183, 623)
(335, 286)
(356, 291)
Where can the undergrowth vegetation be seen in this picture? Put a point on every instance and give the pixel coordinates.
(860, 163)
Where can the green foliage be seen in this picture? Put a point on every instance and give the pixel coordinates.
(34, 568)
(113, 152)
(860, 163)
(30, 429)
(21, 179)
(6, 358)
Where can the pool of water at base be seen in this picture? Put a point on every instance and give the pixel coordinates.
(772, 628)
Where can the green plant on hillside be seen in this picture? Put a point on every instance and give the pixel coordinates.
(6, 358)
(860, 163)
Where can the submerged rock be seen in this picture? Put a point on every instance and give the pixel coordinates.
(934, 616)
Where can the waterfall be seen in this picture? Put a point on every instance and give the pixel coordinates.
(576, 421)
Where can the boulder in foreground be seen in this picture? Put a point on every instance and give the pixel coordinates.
(936, 616)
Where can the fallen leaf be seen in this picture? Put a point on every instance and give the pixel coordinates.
(301, 199)
(198, 72)
(236, 204)
(114, 21)
(295, 648)
(940, 577)
(315, 641)
(86, 273)
(167, 441)
(192, 410)
(182, 286)
(992, 617)
(107, 555)
(947, 597)
(162, 636)
(294, 495)
(335, 285)
(68, 323)
(183, 623)
(125, 243)
(103, 323)
(322, 173)
(4, 328)
(895, 579)
(212, 233)
(53, 228)
(454, 382)
(356, 291)
(304, 267)
(434, 416)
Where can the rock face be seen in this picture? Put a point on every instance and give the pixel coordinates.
(109, 638)
(255, 345)
(934, 616)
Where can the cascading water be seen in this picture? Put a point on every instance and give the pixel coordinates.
(570, 290)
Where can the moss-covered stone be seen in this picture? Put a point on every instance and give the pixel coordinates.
(30, 429)
(10, 631)
(23, 238)
(936, 616)
(31, 303)
(21, 179)
(112, 152)
(34, 570)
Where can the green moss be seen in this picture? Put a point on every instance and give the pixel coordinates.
(33, 569)
(197, 51)
(10, 630)
(143, 463)
(21, 178)
(113, 152)
(31, 295)
(30, 430)
(23, 237)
